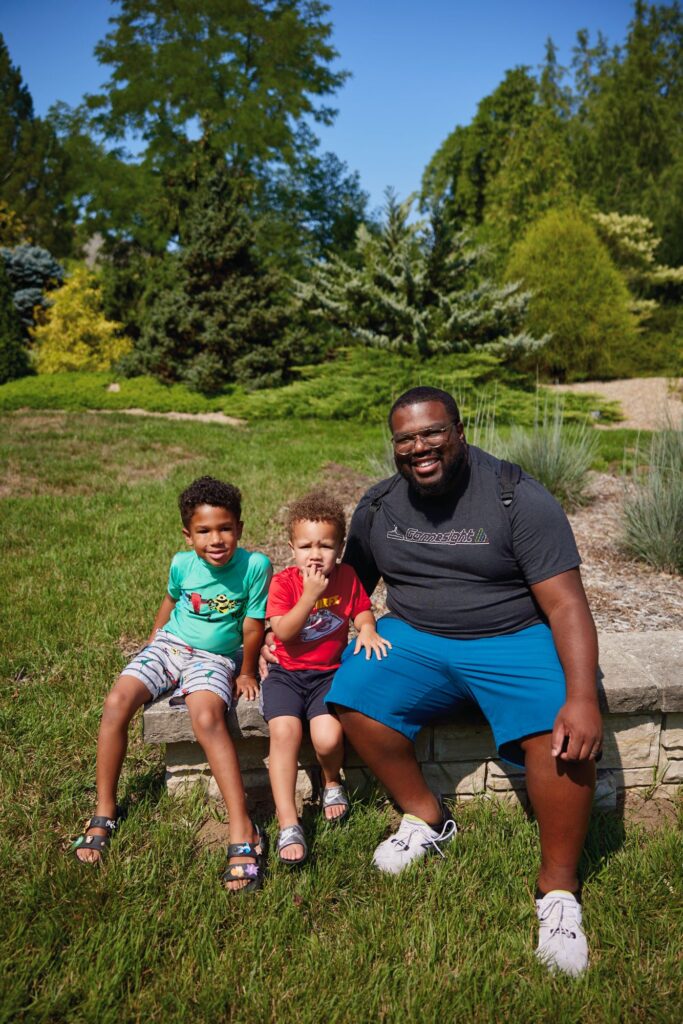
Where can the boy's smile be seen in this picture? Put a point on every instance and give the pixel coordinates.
(315, 545)
(214, 533)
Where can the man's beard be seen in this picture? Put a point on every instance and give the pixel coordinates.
(451, 474)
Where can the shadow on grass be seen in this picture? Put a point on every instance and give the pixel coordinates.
(606, 835)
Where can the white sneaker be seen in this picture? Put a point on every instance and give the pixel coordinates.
(413, 839)
(562, 942)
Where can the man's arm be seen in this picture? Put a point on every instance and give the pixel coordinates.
(358, 552)
(577, 734)
(252, 638)
(162, 616)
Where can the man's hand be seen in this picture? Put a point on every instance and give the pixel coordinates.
(246, 685)
(315, 583)
(577, 734)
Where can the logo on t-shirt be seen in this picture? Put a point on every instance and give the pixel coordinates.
(475, 535)
(221, 603)
(320, 623)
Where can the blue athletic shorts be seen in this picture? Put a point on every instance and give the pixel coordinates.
(515, 679)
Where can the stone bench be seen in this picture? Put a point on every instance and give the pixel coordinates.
(641, 693)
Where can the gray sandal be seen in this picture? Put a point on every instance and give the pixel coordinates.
(335, 796)
(293, 835)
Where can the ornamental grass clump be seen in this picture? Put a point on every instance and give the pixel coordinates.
(556, 454)
(653, 507)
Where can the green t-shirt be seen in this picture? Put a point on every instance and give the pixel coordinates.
(212, 602)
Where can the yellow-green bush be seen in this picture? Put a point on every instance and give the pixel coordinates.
(578, 296)
(74, 333)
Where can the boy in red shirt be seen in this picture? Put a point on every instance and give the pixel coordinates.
(309, 607)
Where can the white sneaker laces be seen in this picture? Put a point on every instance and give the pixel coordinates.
(407, 829)
(561, 917)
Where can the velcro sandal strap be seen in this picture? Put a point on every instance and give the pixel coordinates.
(236, 872)
(98, 843)
(242, 850)
(102, 821)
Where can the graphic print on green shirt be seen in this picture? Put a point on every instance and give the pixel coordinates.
(213, 601)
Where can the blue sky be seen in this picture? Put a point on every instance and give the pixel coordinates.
(418, 68)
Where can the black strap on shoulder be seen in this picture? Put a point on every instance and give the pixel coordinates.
(376, 503)
(510, 475)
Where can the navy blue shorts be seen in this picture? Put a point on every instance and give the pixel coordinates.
(516, 680)
(299, 692)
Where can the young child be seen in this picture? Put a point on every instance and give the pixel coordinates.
(216, 602)
(309, 607)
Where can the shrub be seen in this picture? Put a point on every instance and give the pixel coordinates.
(558, 456)
(653, 510)
(74, 333)
(358, 384)
(578, 296)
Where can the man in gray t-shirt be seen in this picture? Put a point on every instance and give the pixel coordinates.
(486, 605)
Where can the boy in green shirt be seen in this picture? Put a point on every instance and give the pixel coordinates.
(215, 603)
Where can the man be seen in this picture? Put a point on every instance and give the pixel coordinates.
(485, 604)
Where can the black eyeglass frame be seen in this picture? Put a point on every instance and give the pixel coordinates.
(411, 439)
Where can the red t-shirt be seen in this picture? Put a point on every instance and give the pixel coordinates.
(326, 631)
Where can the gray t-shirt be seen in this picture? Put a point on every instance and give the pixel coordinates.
(460, 565)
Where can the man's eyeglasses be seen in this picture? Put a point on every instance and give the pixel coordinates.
(433, 437)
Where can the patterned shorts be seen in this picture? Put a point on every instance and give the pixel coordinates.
(168, 662)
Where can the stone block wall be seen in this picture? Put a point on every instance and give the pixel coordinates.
(641, 691)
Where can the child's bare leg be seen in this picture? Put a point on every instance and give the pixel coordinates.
(126, 695)
(207, 711)
(286, 732)
(327, 737)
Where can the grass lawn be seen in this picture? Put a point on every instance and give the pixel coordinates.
(89, 525)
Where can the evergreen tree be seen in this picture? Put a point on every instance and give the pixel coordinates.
(32, 271)
(219, 314)
(628, 128)
(33, 178)
(461, 170)
(417, 288)
(74, 333)
(14, 361)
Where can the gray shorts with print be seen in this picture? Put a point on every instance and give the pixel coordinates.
(169, 662)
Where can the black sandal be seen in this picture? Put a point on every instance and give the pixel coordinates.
(254, 872)
(98, 843)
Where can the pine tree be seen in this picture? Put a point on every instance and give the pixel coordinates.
(417, 288)
(14, 361)
(33, 182)
(219, 314)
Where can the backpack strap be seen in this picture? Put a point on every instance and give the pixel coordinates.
(510, 475)
(376, 503)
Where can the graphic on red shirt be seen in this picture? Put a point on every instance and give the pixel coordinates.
(319, 624)
(325, 633)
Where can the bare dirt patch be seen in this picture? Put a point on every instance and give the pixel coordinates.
(647, 403)
(199, 417)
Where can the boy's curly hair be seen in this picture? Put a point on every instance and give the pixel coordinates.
(206, 490)
(317, 507)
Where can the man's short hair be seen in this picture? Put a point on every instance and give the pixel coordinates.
(206, 490)
(317, 507)
(417, 396)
